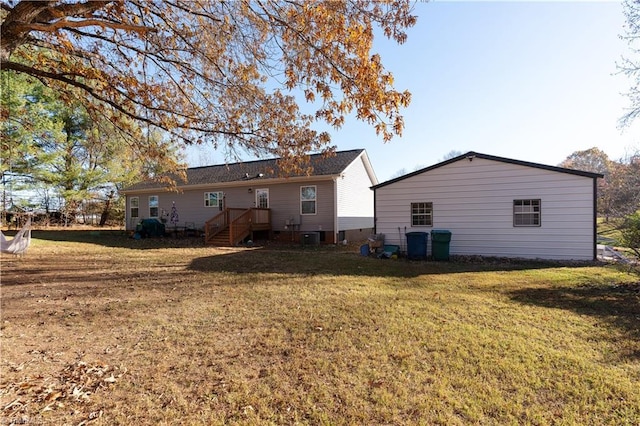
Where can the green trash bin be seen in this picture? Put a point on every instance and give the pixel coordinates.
(440, 240)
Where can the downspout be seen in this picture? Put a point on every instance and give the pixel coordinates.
(335, 210)
(375, 213)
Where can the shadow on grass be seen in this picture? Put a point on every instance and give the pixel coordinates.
(330, 260)
(115, 238)
(278, 256)
(289, 258)
(617, 305)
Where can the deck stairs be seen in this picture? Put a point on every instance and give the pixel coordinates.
(233, 225)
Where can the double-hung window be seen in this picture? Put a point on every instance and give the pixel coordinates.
(422, 214)
(134, 207)
(213, 199)
(308, 199)
(526, 212)
(153, 206)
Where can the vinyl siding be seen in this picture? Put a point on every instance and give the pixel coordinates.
(284, 201)
(355, 198)
(285, 205)
(474, 200)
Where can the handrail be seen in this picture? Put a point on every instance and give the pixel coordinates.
(216, 224)
(239, 227)
(235, 212)
(239, 221)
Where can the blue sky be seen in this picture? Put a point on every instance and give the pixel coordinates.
(533, 81)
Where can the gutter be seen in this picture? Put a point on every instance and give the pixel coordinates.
(232, 184)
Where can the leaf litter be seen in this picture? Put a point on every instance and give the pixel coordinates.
(75, 384)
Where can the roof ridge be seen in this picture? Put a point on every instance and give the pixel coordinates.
(266, 168)
(470, 155)
(265, 160)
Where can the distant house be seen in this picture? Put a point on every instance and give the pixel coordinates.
(232, 202)
(494, 206)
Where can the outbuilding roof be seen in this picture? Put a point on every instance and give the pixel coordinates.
(471, 155)
(322, 165)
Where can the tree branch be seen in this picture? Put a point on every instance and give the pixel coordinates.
(54, 26)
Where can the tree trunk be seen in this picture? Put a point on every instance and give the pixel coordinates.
(14, 27)
(107, 208)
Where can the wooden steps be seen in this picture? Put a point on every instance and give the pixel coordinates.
(232, 225)
(220, 239)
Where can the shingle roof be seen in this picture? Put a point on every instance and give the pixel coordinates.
(472, 154)
(237, 172)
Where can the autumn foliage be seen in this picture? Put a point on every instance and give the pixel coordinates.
(230, 73)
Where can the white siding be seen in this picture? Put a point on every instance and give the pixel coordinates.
(355, 198)
(474, 200)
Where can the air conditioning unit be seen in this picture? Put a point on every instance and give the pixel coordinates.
(310, 238)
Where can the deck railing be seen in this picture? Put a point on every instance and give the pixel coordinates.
(215, 225)
(240, 223)
(261, 218)
(240, 227)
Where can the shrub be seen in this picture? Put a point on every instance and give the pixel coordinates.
(631, 233)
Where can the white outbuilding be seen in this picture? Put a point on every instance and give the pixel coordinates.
(493, 206)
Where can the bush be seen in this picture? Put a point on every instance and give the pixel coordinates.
(631, 233)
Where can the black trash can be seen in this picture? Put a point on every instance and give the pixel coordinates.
(440, 240)
(417, 245)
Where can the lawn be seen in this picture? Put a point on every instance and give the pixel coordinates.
(609, 231)
(100, 329)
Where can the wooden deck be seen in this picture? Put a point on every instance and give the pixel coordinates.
(233, 225)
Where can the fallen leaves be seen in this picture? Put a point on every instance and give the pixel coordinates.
(75, 384)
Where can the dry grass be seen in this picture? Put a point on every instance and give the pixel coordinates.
(101, 329)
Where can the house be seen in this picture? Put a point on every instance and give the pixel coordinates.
(232, 202)
(493, 206)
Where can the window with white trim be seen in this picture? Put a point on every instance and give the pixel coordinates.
(308, 199)
(134, 207)
(526, 212)
(422, 214)
(213, 199)
(154, 203)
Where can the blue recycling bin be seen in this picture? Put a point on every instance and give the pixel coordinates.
(417, 245)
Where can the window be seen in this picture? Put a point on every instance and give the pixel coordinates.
(153, 206)
(213, 199)
(526, 212)
(421, 214)
(308, 199)
(134, 207)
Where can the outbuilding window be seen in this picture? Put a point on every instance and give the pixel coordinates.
(421, 214)
(526, 212)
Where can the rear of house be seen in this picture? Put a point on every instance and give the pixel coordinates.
(494, 206)
(333, 203)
